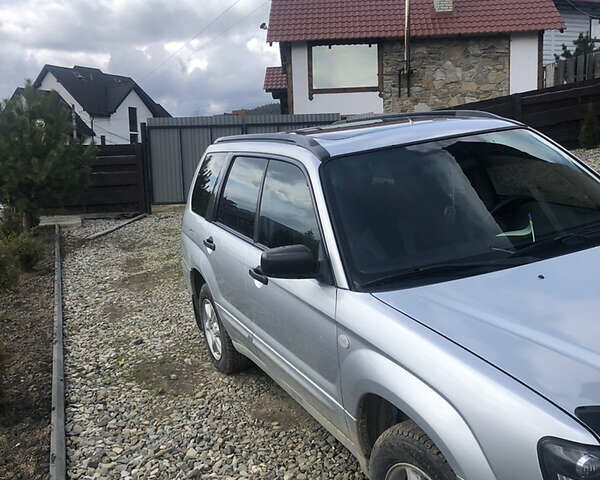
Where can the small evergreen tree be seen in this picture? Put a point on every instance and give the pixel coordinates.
(589, 136)
(41, 164)
(583, 45)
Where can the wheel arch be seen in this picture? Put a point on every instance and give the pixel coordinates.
(376, 380)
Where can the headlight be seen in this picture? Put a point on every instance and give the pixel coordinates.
(563, 460)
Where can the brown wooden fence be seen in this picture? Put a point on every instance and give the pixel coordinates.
(572, 70)
(555, 111)
(117, 183)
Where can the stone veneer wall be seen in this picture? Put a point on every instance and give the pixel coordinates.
(446, 72)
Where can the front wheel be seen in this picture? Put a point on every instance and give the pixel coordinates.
(405, 452)
(223, 354)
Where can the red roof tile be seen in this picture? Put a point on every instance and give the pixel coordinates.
(307, 20)
(275, 79)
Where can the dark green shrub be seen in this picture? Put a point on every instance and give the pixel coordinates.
(9, 268)
(589, 136)
(11, 222)
(26, 250)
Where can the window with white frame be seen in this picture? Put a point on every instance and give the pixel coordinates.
(344, 68)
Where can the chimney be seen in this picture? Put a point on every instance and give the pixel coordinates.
(442, 5)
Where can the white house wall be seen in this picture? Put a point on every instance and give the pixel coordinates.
(524, 51)
(553, 40)
(116, 128)
(344, 103)
(50, 83)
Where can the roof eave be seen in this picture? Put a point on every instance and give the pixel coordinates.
(400, 35)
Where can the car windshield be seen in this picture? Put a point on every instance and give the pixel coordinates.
(458, 207)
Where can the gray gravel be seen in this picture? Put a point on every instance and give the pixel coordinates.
(591, 157)
(143, 400)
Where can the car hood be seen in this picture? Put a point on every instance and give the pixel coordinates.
(540, 322)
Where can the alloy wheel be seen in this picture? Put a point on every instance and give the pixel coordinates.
(212, 330)
(405, 471)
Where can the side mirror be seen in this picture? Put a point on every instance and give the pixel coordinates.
(294, 261)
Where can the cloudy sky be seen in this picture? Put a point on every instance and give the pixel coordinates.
(165, 45)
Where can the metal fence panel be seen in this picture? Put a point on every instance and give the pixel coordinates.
(177, 144)
(167, 175)
(193, 144)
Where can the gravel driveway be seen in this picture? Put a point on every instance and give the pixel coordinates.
(143, 400)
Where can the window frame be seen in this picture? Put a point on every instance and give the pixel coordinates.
(135, 118)
(217, 204)
(211, 214)
(312, 91)
(215, 191)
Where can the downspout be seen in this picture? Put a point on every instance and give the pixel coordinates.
(406, 69)
(407, 44)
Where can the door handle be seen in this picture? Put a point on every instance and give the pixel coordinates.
(257, 275)
(209, 243)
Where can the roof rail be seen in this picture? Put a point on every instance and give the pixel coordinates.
(409, 115)
(370, 119)
(305, 142)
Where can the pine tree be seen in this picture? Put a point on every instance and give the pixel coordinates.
(41, 164)
(583, 45)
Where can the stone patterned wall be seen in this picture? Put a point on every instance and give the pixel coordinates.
(446, 72)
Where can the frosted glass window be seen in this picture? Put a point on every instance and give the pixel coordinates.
(345, 66)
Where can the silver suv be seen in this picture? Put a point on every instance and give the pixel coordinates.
(425, 285)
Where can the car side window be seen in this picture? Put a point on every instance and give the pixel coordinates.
(208, 176)
(237, 207)
(287, 215)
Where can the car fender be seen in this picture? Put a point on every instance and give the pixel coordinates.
(428, 409)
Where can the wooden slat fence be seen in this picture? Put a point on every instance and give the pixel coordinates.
(556, 111)
(572, 70)
(117, 182)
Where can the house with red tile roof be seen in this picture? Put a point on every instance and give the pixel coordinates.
(349, 56)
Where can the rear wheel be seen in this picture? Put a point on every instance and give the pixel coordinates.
(223, 354)
(405, 452)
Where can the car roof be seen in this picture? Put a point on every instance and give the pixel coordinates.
(385, 131)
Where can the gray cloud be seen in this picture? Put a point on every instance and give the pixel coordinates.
(221, 70)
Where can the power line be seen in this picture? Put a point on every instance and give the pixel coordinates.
(206, 27)
(580, 10)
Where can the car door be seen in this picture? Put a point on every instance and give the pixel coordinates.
(294, 320)
(229, 244)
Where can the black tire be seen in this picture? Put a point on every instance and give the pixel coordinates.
(231, 360)
(406, 443)
(196, 304)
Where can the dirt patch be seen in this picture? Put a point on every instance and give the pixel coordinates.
(144, 281)
(128, 245)
(166, 376)
(278, 409)
(133, 264)
(26, 324)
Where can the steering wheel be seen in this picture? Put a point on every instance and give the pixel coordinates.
(518, 199)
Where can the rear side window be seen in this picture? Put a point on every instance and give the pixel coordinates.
(287, 215)
(206, 180)
(237, 208)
